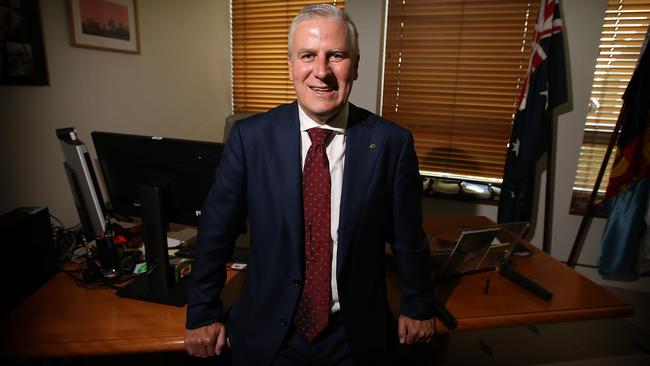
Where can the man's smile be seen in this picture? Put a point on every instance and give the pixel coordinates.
(323, 89)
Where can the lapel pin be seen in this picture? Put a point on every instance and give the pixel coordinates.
(373, 146)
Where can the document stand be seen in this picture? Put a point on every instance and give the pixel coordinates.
(158, 284)
(479, 249)
(506, 270)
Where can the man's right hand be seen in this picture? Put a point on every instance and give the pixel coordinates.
(205, 341)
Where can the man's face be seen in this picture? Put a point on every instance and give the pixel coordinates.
(322, 67)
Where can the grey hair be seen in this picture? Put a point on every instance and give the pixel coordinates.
(326, 11)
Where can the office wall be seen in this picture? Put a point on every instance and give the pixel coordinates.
(368, 15)
(180, 86)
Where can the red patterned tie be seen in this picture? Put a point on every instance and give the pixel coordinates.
(314, 305)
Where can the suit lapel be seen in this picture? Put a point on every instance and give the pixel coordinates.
(285, 161)
(362, 150)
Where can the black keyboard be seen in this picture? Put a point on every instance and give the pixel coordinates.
(239, 254)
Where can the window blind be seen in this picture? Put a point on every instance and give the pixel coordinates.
(453, 73)
(623, 33)
(259, 30)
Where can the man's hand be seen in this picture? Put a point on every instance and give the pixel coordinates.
(415, 331)
(205, 341)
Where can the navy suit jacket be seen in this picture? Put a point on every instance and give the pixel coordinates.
(260, 179)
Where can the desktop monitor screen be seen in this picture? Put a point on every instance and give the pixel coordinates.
(184, 168)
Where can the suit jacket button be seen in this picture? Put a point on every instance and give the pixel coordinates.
(283, 323)
(297, 282)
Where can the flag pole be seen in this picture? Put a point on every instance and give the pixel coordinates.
(591, 206)
(550, 182)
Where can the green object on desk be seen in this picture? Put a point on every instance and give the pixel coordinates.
(140, 268)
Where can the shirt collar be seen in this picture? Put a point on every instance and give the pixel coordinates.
(338, 124)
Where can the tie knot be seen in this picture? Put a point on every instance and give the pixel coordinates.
(318, 135)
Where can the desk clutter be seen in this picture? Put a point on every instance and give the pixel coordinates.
(118, 257)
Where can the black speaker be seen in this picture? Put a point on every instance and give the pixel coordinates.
(28, 251)
(158, 283)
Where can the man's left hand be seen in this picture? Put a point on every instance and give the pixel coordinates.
(415, 331)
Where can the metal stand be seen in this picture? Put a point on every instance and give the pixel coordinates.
(507, 271)
(550, 182)
(591, 207)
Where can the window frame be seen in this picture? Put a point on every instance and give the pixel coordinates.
(599, 124)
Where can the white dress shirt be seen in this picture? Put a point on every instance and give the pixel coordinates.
(335, 149)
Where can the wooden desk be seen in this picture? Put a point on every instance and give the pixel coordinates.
(507, 304)
(62, 319)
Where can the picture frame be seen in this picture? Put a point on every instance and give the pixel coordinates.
(22, 48)
(109, 25)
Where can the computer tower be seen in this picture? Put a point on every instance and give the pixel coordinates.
(28, 252)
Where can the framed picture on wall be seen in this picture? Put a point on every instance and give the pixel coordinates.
(110, 25)
(22, 50)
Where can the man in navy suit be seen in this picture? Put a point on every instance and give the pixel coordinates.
(373, 198)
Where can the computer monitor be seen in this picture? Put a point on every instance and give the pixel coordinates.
(162, 180)
(184, 168)
(83, 183)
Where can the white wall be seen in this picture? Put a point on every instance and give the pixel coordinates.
(368, 15)
(179, 86)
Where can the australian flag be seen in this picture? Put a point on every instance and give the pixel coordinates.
(628, 190)
(544, 89)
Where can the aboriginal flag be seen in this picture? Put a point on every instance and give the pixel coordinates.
(629, 187)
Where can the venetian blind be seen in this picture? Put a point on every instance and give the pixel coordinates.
(259, 28)
(622, 36)
(453, 73)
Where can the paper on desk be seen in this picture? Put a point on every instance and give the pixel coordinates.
(172, 242)
(176, 238)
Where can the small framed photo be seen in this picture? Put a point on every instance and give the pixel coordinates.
(110, 25)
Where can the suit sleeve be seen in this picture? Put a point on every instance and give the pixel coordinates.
(410, 248)
(221, 221)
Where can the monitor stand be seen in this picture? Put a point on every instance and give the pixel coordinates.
(144, 287)
(158, 284)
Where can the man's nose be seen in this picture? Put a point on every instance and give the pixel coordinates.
(321, 67)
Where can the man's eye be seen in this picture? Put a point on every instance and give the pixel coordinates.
(307, 57)
(337, 57)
